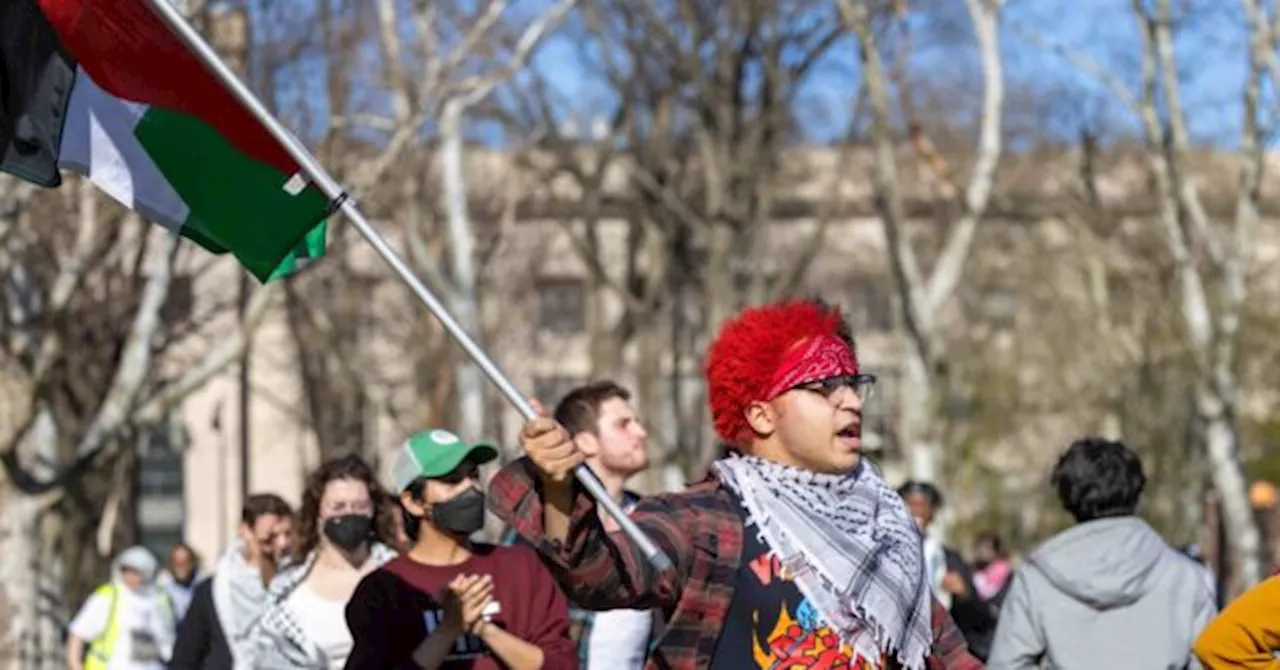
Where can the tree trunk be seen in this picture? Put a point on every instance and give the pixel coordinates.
(1211, 336)
(19, 556)
(1222, 446)
(31, 578)
(923, 296)
(54, 607)
(916, 421)
(470, 382)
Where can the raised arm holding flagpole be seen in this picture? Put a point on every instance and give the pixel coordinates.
(342, 202)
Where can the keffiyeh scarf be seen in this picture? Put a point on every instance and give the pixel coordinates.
(239, 598)
(851, 546)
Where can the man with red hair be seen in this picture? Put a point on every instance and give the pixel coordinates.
(792, 552)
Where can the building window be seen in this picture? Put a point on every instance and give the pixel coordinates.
(160, 494)
(562, 305)
(871, 305)
(549, 390)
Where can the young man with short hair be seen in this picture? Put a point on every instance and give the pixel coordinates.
(450, 602)
(604, 424)
(1107, 592)
(214, 634)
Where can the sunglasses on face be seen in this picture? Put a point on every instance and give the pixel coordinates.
(862, 385)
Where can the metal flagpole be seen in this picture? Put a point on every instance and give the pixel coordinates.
(184, 31)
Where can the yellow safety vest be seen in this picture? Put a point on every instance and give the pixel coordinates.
(103, 647)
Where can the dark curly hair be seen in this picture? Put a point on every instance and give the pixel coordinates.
(1098, 478)
(350, 466)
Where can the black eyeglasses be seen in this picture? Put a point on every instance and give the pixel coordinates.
(863, 385)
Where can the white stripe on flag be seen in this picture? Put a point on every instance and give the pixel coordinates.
(98, 141)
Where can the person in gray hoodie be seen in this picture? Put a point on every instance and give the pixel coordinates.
(1107, 592)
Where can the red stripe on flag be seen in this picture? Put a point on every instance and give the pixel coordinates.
(131, 53)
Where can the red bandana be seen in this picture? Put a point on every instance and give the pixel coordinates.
(820, 358)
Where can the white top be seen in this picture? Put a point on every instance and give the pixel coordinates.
(325, 623)
(143, 642)
(935, 564)
(619, 640)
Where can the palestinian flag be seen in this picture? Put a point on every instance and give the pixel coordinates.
(104, 89)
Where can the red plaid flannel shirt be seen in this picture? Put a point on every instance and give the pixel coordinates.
(700, 530)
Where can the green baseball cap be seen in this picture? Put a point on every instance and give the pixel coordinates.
(435, 453)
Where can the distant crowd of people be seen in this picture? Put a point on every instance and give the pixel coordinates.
(792, 552)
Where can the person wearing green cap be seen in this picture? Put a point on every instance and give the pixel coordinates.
(450, 602)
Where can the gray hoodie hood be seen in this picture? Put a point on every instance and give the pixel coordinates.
(1103, 595)
(136, 558)
(1104, 563)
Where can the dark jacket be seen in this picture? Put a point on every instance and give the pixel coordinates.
(975, 617)
(201, 644)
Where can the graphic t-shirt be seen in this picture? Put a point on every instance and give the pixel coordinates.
(394, 609)
(771, 625)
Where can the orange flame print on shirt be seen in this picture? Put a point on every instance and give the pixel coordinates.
(791, 647)
(800, 642)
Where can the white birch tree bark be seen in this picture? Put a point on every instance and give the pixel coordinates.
(923, 296)
(470, 382)
(1211, 327)
(32, 578)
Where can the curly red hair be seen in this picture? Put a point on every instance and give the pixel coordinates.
(748, 350)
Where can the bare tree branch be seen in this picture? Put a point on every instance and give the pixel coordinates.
(1080, 61)
(1196, 306)
(886, 192)
(135, 359)
(950, 266)
(228, 351)
(478, 89)
(69, 276)
(1211, 335)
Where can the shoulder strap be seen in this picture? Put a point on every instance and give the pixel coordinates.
(112, 592)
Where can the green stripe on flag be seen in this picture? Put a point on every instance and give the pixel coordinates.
(307, 251)
(238, 204)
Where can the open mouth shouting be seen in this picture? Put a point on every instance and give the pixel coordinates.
(850, 435)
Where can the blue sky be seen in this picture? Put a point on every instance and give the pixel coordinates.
(1211, 48)
(1044, 92)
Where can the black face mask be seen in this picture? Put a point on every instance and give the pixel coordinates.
(463, 514)
(349, 531)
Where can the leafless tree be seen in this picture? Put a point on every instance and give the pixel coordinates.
(102, 343)
(924, 296)
(88, 318)
(691, 162)
(1212, 257)
(405, 161)
(1212, 325)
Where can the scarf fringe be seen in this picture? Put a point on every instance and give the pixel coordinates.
(864, 612)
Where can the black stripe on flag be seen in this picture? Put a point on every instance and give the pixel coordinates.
(36, 75)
